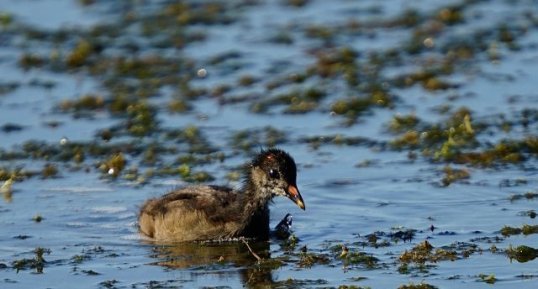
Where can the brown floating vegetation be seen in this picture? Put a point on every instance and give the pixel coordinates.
(355, 106)
(421, 285)
(530, 213)
(455, 141)
(522, 253)
(80, 54)
(252, 139)
(488, 278)
(424, 252)
(49, 171)
(421, 257)
(38, 262)
(37, 218)
(452, 175)
(131, 79)
(360, 258)
(403, 123)
(297, 101)
(309, 259)
(86, 102)
(348, 83)
(527, 196)
(508, 231)
(114, 165)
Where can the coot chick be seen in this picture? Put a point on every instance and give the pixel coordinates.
(199, 213)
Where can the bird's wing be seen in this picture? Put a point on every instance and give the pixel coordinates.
(214, 201)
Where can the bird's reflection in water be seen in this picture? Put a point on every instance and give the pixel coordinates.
(226, 259)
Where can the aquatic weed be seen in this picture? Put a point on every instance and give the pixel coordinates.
(141, 119)
(199, 177)
(451, 15)
(453, 175)
(308, 259)
(525, 230)
(15, 175)
(6, 19)
(408, 140)
(109, 284)
(178, 106)
(355, 106)
(252, 139)
(80, 54)
(113, 165)
(296, 101)
(421, 285)
(530, 213)
(455, 141)
(403, 123)
(77, 259)
(509, 231)
(527, 196)
(37, 218)
(424, 252)
(11, 127)
(31, 60)
(490, 279)
(49, 171)
(85, 102)
(430, 79)
(522, 253)
(37, 263)
(360, 258)
(353, 287)
(8, 87)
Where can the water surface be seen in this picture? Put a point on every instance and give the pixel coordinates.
(355, 182)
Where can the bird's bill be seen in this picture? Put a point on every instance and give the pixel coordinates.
(294, 195)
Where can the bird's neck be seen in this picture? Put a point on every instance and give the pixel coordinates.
(255, 200)
(255, 213)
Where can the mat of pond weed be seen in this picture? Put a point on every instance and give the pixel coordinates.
(414, 126)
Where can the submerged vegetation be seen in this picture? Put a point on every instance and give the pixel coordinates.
(144, 121)
(525, 230)
(522, 253)
(38, 262)
(131, 81)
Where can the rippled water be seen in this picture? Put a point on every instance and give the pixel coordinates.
(87, 215)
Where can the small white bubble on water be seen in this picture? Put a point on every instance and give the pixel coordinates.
(202, 72)
(428, 42)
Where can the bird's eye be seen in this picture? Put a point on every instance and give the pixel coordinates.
(274, 174)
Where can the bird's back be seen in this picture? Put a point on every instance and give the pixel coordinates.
(196, 213)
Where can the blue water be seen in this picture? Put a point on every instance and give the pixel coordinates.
(86, 214)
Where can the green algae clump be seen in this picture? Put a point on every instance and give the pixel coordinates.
(527, 196)
(522, 253)
(403, 123)
(86, 102)
(49, 171)
(453, 175)
(114, 165)
(490, 279)
(417, 286)
(424, 252)
(508, 231)
(37, 263)
(80, 54)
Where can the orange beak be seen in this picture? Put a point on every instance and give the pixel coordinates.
(295, 196)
